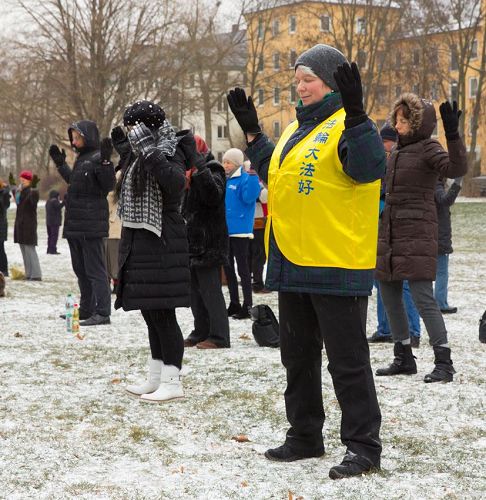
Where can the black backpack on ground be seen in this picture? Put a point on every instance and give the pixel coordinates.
(265, 326)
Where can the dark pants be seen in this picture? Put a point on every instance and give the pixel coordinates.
(88, 261)
(306, 321)
(208, 307)
(257, 256)
(165, 336)
(239, 250)
(3, 259)
(52, 237)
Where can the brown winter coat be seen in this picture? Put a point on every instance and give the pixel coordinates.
(407, 239)
(25, 228)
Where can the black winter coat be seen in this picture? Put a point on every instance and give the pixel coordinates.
(89, 184)
(54, 210)
(25, 229)
(4, 204)
(444, 200)
(154, 271)
(205, 213)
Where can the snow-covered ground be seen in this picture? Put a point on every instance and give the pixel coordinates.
(69, 430)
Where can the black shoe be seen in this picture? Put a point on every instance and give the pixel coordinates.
(95, 320)
(443, 370)
(257, 287)
(449, 310)
(482, 329)
(403, 364)
(379, 337)
(352, 465)
(285, 454)
(233, 308)
(414, 341)
(81, 316)
(243, 314)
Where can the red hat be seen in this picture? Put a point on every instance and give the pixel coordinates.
(26, 174)
(201, 145)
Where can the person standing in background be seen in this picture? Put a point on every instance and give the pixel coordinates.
(114, 235)
(444, 199)
(53, 221)
(4, 204)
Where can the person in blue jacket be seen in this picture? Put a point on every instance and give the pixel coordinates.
(242, 191)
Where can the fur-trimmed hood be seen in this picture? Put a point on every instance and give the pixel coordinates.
(423, 118)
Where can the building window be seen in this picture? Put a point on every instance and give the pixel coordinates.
(361, 59)
(416, 89)
(220, 156)
(454, 62)
(434, 91)
(292, 24)
(474, 49)
(473, 87)
(276, 129)
(260, 63)
(276, 95)
(275, 27)
(434, 55)
(222, 104)
(222, 132)
(293, 94)
(454, 91)
(292, 58)
(325, 24)
(361, 26)
(261, 28)
(276, 60)
(398, 60)
(261, 97)
(398, 91)
(416, 57)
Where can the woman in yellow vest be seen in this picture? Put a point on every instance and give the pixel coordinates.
(321, 237)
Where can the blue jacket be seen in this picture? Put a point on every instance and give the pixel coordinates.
(242, 191)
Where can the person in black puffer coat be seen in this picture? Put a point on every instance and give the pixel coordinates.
(4, 204)
(153, 272)
(53, 221)
(205, 213)
(86, 217)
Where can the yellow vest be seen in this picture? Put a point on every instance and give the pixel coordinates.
(319, 215)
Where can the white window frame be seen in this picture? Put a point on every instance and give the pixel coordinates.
(276, 96)
(261, 97)
(275, 27)
(470, 87)
(276, 125)
(329, 23)
(361, 26)
(292, 57)
(474, 49)
(222, 131)
(260, 29)
(276, 61)
(292, 20)
(260, 63)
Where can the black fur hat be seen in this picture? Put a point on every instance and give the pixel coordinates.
(146, 112)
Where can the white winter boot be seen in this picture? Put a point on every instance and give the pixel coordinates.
(170, 386)
(153, 380)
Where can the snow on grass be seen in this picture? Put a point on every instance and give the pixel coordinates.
(69, 430)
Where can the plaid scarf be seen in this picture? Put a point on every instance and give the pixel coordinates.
(144, 210)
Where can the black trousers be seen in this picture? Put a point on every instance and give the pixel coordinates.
(88, 261)
(165, 336)
(306, 321)
(3, 259)
(52, 237)
(208, 307)
(257, 256)
(239, 250)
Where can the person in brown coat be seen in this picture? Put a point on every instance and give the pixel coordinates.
(408, 234)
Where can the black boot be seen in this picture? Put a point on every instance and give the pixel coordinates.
(443, 370)
(404, 362)
(244, 312)
(233, 308)
(482, 329)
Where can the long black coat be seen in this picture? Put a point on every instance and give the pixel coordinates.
(154, 271)
(4, 204)
(54, 210)
(205, 213)
(444, 199)
(25, 229)
(89, 184)
(407, 238)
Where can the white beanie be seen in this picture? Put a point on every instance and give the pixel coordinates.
(235, 156)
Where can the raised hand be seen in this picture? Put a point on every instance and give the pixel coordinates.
(35, 181)
(348, 81)
(106, 149)
(450, 118)
(244, 110)
(58, 156)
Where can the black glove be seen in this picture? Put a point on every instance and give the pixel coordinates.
(244, 111)
(11, 179)
(348, 81)
(120, 141)
(58, 156)
(450, 119)
(106, 148)
(35, 180)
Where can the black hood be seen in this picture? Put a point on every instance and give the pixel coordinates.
(89, 131)
(53, 193)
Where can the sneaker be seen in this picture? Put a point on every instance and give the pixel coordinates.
(352, 465)
(285, 454)
(414, 341)
(96, 320)
(379, 337)
(449, 310)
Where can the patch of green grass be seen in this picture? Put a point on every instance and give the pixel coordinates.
(138, 433)
(58, 363)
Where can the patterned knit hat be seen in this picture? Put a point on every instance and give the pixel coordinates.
(147, 112)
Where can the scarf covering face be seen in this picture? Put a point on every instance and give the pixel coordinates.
(144, 210)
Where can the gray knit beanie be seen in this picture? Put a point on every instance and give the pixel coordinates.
(234, 156)
(323, 60)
